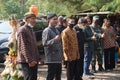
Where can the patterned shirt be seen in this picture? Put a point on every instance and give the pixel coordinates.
(109, 39)
(70, 44)
(27, 49)
(52, 47)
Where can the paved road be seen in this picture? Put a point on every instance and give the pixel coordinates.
(110, 75)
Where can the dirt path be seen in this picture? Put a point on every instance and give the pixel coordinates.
(110, 75)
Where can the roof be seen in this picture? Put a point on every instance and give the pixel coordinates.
(94, 13)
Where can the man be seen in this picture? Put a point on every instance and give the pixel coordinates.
(64, 22)
(97, 54)
(109, 45)
(88, 48)
(81, 39)
(28, 55)
(70, 50)
(53, 48)
(60, 27)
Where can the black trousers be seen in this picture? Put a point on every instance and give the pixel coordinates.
(109, 58)
(81, 61)
(74, 70)
(81, 66)
(54, 71)
(30, 73)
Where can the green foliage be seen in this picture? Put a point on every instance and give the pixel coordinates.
(7, 77)
(40, 25)
(60, 7)
(15, 78)
(11, 7)
(114, 6)
(56, 6)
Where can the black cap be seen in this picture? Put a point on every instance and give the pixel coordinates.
(49, 16)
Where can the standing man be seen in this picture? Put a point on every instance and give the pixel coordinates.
(81, 40)
(28, 55)
(71, 51)
(88, 48)
(60, 27)
(109, 44)
(97, 54)
(53, 48)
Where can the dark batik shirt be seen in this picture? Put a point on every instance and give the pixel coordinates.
(27, 49)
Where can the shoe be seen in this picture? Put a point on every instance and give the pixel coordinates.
(91, 74)
(87, 77)
(93, 71)
(107, 70)
(111, 69)
(100, 68)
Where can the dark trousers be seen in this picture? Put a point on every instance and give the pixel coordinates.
(54, 71)
(73, 70)
(81, 60)
(109, 58)
(97, 55)
(30, 73)
(81, 66)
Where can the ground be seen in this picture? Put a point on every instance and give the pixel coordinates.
(109, 75)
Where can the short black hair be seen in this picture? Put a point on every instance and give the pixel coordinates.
(106, 19)
(82, 20)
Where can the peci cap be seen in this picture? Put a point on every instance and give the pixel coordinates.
(82, 20)
(49, 16)
(95, 17)
(29, 15)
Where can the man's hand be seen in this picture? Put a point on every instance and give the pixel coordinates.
(103, 35)
(32, 64)
(93, 38)
(57, 37)
(69, 59)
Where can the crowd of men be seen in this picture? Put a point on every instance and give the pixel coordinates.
(79, 45)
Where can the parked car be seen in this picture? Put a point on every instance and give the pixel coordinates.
(5, 31)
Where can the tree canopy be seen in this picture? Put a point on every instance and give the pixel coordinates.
(61, 7)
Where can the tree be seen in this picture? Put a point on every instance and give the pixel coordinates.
(60, 7)
(114, 6)
(10, 7)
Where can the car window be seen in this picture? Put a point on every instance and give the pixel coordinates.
(5, 28)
